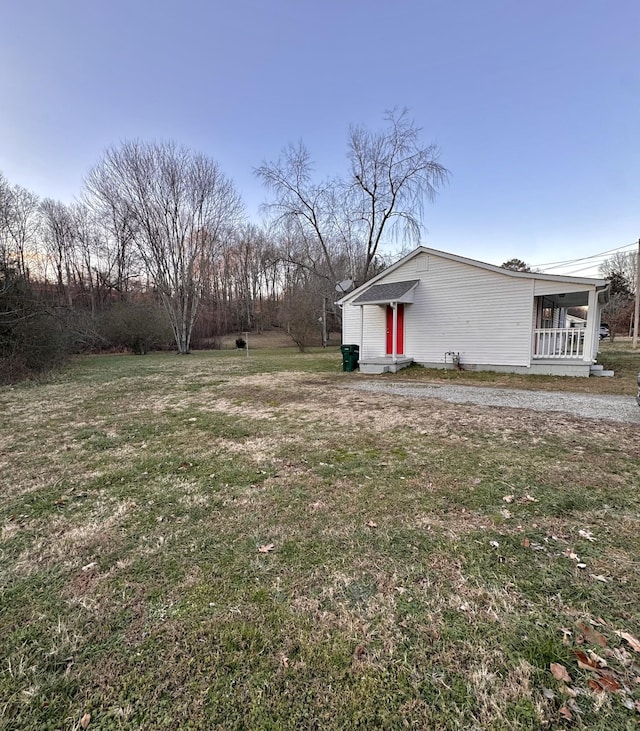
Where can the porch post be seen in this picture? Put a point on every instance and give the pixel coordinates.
(593, 314)
(394, 333)
(361, 345)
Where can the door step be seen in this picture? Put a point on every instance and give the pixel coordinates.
(598, 370)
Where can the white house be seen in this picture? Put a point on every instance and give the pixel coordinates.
(441, 310)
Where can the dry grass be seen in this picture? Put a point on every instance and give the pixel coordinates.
(423, 569)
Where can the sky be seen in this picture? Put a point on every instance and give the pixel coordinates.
(534, 105)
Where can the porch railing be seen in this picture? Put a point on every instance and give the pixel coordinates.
(558, 342)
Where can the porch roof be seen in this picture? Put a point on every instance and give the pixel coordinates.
(382, 294)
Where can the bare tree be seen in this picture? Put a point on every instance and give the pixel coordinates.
(340, 224)
(622, 264)
(19, 222)
(5, 217)
(392, 176)
(59, 240)
(180, 206)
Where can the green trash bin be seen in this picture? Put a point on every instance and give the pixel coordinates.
(350, 356)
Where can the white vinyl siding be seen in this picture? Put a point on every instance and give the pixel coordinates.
(485, 316)
(543, 287)
(374, 329)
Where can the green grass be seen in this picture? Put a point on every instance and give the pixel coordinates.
(429, 560)
(618, 356)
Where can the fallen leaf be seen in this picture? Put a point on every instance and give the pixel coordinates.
(548, 694)
(622, 656)
(284, 660)
(89, 566)
(266, 548)
(585, 662)
(633, 642)
(509, 498)
(600, 661)
(600, 577)
(526, 543)
(494, 544)
(529, 499)
(586, 535)
(565, 713)
(595, 637)
(567, 690)
(559, 672)
(506, 513)
(581, 565)
(594, 685)
(608, 683)
(638, 706)
(372, 524)
(84, 721)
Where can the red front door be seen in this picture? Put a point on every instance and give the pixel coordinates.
(399, 330)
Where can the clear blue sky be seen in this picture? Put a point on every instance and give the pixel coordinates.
(535, 105)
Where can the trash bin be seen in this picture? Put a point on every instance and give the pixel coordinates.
(350, 356)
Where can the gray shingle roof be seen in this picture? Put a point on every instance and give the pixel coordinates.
(392, 292)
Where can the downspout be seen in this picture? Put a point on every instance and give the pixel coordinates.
(361, 346)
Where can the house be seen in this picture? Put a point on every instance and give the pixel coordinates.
(443, 310)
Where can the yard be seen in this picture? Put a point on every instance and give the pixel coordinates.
(229, 542)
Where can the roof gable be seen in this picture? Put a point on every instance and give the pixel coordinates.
(557, 278)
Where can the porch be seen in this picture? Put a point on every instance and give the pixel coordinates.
(558, 343)
(387, 364)
(565, 333)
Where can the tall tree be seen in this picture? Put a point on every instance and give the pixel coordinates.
(516, 265)
(339, 224)
(622, 264)
(19, 220)
(180, 206)
(58, 233)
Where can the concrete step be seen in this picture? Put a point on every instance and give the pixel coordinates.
(601, 373)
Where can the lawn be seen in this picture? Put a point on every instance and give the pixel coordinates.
(229, 542)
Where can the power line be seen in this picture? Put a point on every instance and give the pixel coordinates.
(557, 264)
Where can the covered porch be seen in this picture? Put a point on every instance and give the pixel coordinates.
(392, 298)
(560, 339)
(557, 335)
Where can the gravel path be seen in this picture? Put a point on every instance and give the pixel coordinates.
(613, 408)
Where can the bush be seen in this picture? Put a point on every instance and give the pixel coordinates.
(137, 326)
(33, 336)
(240, 343)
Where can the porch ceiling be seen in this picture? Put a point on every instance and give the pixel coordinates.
(569, 299)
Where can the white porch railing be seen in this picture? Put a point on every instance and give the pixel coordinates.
(558, 342)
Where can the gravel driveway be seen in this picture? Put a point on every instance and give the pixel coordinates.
(613, 408)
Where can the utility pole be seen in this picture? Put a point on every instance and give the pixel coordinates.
(325, 337)
(636, 312)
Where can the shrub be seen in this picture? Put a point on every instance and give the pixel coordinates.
(137, 326)
(33, 336)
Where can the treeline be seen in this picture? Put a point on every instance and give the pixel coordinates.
(157, 252)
